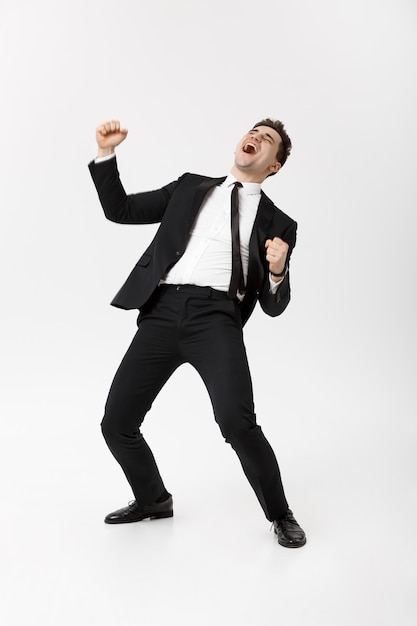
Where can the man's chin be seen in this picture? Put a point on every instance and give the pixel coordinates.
(244, 164)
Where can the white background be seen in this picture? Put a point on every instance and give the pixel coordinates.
(334, 376)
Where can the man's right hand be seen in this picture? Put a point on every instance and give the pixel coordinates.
(108, 136)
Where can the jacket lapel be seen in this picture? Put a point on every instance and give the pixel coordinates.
(257, 241)
(265, 214)
(199, 194)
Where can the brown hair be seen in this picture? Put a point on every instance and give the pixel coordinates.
(285, 145)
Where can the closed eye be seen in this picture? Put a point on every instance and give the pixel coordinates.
(267, 136)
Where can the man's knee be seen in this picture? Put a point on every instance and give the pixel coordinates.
(120, 423)
(108, 428)
(239, 432)
(115, 424)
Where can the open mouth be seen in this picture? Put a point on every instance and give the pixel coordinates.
(250, 148)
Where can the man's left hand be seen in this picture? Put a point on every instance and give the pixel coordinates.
(276, 254)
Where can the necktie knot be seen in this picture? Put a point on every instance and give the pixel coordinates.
(236, 186)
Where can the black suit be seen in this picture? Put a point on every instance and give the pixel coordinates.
(208, 320)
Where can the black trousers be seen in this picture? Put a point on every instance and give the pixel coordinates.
(200, 326)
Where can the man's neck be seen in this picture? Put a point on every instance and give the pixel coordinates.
(246, 177)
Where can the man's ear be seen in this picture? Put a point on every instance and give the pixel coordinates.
(275, 167)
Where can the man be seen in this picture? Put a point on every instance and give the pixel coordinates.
(221, 246)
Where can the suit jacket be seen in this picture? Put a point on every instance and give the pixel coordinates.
(176, 206)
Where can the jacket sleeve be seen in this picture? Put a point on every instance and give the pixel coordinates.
(140, 208)
(275, 303)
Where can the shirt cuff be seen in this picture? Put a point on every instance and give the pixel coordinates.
(273, 286)
(105, 158)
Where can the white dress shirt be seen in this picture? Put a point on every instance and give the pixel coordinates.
(207, 260)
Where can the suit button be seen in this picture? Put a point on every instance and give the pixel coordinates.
(178, 253)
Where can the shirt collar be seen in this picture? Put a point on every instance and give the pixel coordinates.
(250, 189)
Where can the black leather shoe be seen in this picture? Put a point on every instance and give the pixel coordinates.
(289, 532)
(135, 513)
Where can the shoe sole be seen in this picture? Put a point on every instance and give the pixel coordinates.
(293, 545)
(151, 516)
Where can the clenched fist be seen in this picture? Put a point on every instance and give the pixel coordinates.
(276, 254)
(108, 136)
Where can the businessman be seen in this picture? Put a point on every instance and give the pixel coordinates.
(221, 246)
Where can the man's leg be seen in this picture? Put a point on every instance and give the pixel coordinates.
(213, 344)
(149, 362)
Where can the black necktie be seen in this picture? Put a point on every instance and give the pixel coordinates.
(236, 282)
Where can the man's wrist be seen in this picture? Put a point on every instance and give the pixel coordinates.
(105, 152)
(278, 275)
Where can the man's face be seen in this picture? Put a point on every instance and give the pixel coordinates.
(256, 154)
